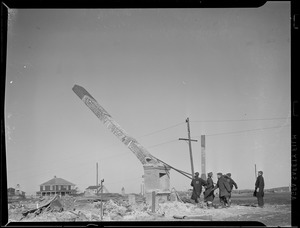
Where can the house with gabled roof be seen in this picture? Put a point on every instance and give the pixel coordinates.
(93, 190)
(56, 186)
(15, 191)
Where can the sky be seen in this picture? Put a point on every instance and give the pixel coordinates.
(228, 70)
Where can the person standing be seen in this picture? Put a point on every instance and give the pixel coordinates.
(259, 189)
(231, 184)
(197, 184)
(224, 189)
(209, 193)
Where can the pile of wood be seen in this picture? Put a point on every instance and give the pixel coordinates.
(53, 205)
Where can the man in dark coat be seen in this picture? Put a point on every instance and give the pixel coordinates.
(197, 184)
(260, 185)
(231, 184)
(224, 189)
(209, 193)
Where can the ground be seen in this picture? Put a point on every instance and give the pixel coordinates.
(277, 210)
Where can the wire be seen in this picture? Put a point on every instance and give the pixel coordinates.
(101, 158)
(180, 171)
(241, 120)
(236, 132)
(114, 144)
(154, 132)
(160, 144)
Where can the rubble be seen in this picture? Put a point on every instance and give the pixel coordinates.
(73, 209)
(51, 205)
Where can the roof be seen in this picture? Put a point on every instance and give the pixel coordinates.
(57, 181)
(93, 187)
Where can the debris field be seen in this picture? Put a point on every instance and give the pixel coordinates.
(116, 207)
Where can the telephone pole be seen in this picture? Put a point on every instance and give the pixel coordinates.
(203, 158)
(190, 145)
(97, 176)
(101, 206)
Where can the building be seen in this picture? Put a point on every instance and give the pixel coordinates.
(15, 191)
(56, 186)
(156, 179)
(93, 189)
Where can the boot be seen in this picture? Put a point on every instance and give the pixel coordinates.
(209, 205)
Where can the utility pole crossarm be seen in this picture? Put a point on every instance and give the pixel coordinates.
(193, 140)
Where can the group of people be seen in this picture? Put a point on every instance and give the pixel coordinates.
(225, 184)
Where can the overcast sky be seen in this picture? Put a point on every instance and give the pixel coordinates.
(228, 70)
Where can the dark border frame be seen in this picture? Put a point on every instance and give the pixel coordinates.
(147, 4)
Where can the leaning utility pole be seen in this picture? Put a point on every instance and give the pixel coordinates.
(190, 145)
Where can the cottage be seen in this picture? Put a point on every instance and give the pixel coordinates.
(56, 186)
(15, 191)
(94, 189)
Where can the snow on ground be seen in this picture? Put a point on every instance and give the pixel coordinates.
(74, 209)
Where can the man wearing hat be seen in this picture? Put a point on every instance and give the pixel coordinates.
(231, 184)
(209, 193)
(224, 189)
(197, 184)
(259, 189)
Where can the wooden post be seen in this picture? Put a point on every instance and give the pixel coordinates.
(97, 177)
(190, 147)
(203, 158)
(153, 202)
(101, 199)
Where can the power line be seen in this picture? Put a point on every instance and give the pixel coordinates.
(100, 158)
(240, 120)
(157, 131)
(162, 143)
(148, 134)
(115, 144)
(179, 171)
(236, 132)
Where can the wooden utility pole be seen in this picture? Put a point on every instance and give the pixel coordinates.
(203, 158)
(97, 184)
(101, 198)
(97, 174)
(190, 145)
